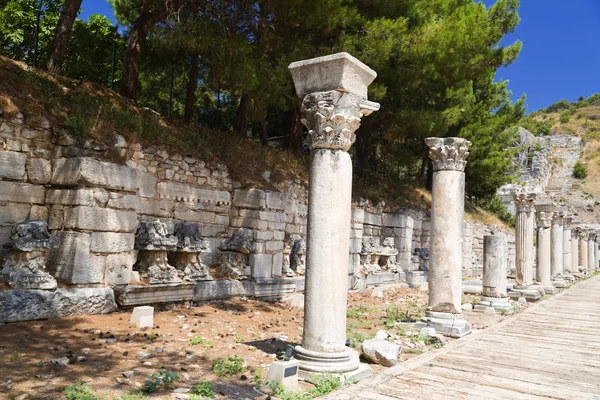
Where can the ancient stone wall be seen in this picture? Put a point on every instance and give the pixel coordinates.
(94, 194)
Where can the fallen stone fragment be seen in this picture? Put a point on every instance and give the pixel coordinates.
(123, 381)
(61, 361)
(128, 374)
(381, 351)
(142, 355)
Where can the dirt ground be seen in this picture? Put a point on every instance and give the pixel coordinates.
(253, 330)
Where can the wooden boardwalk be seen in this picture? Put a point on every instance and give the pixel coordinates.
(550, 351)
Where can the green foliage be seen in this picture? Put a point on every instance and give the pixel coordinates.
(135, 396)
(494, 205)
(162, 379)
(357, 313)
(257, 379)
(13, 357)
(79, 391)
(203, 389)
(323, 385)
(559, 105)
(580, 170)
(238, 338)
(228, 368)
(565, 116)
(395, 315)
(356, 338)
(195, 340)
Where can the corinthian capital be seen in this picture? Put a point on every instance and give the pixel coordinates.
(544, 219)
(448, 154)
(332, 117)
(524, 202)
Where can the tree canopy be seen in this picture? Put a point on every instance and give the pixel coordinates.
(227, 60)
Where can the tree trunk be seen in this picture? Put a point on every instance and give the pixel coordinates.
(294, 141)
(133, 55)
(241, 116)
(364, 144)
(58, 51)
(262, 131)
(192, 85)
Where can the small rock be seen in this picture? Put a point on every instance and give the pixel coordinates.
(123, 381)
(377, 292)
(142, 355)
(382, 335)
(427, 331)
(159, 349)
(61, 362)
(181, 390)
(522, 300)
(467, 307)
(85, 351)
(381, 351)
(128, 374)
(22, 397)
(81, 359)
(489, 311)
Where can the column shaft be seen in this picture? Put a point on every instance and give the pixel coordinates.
(583, 252)
(557, 246)
(543, 255)
(574, 253)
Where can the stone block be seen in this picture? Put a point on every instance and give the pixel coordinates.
(4, 238)
(123, 201)
(12, 165)
(277, 264)
(195, 216)
(131, 295)
(276, 200)
(381, 351)
(70, 197)
(39, 170)
(222, 220)
(284, 373)
(263, 235)
(252, 198)
(279, 235)
(155, 207)
(274, 245)
(38, 212)
(13, 213)
(100, 219)
(358, 216)
(355, 246)
(147, 183)
(186, 192)
(118, 268)
(21, 192)
(72, 261)
(112, 242)
(56, 218)
(373, 219)
(339, 71)
(87, 171)
(261, 265)
(142, 317)
(27, 305)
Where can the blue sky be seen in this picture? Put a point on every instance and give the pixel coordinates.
(560, 57)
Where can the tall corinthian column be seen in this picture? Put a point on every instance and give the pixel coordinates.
(558, 249)
(334, 89)
(544, 222)
(567, 269)
(524, 203)
(575, 251)
(447, 220)
(583, 249)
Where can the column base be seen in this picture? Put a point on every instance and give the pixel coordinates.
(447, 324)
(569, 277)
(530, 292)
(550, 289)
(315, 362)
(559, 282)
(499, 304)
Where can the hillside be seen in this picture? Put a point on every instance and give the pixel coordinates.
(553, 126)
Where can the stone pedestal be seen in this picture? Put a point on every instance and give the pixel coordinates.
(444, 311)
(544, 246)
(524, 287)
(495, 264)
(334, 90)
(25, 264)
(557, 250)
(153, 242)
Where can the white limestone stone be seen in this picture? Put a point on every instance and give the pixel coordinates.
(252, 198)
(12, 165)
(495, 263)
(124, 201)
(155, 207)
(557, 244)
(544, 245)
(100, 219)
(82, 170)
(284, 373)
(118, 268)
(276, 200)
(39, 170)
(142, 317)
(339, 71)
(583, 249)
(72, 262)
(112, 242)
(186, 192)
(381, 351)
(13, 213)
(262, 265)
(19, 192)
